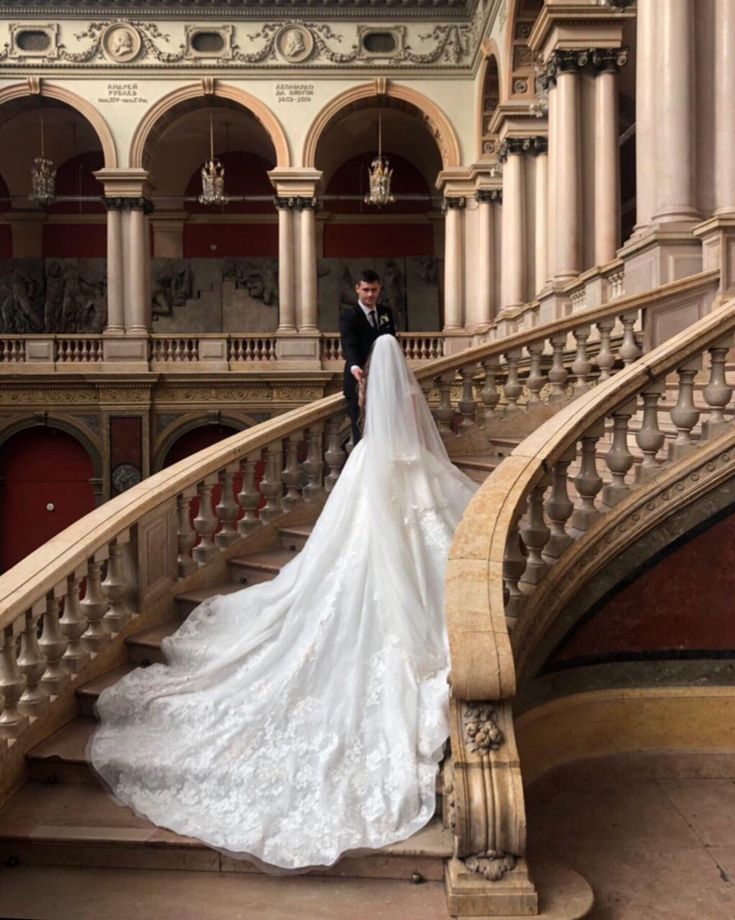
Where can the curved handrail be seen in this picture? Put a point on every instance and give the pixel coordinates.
(482, 657)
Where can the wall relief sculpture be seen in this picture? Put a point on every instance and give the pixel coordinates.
(55, 296)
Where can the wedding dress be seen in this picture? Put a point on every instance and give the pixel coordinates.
(305, 717)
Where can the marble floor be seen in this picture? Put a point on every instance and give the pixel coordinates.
(655, 844)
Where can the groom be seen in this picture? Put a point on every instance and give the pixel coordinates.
(359, 327)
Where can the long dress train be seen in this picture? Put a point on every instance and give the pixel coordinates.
(305, 717)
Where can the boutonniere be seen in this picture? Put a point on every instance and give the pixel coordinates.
(384, 320)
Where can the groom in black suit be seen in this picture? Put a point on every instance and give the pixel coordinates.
(359, 327)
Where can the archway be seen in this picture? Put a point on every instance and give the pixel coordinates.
(46, 476)
(399, 240)
(488, 103)
(215, 266)
(520, 61)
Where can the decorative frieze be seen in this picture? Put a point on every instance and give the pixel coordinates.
(145, 43)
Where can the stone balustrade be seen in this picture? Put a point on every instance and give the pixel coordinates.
(543, 522)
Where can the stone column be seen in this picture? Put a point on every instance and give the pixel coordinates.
(485, 256)
(286, 294)
(724, 102)
(541, 149)
(607, 154)
(567, 177)
(674, 161)
(551, 187)
(136, 320)
(309, 301)
(646, 93)
(513, 241)
(115, 276)
(453, 319)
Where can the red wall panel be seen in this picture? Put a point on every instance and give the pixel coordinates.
(378, 240)
(230, 240)
(69, 241)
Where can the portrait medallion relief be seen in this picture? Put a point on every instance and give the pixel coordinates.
(121, 42)
(295, 43)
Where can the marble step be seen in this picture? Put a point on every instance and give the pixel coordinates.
(87, 694)
(81, 825)
(144, 648)
(188, 600)
(294, 538)
(254, 568)
(477, 467)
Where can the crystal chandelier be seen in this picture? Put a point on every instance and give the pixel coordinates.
(379, 175)
(43, 176)
(213, 175)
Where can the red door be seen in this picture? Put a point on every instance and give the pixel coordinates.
(45, 487)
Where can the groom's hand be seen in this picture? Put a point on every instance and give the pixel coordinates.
(356, 372)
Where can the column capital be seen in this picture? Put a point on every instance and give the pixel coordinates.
(520, 145)
(137, 203)
(489, 195)
(454, 204)
(567, 61)
(302, 203)
(284, 203)
(609, 60)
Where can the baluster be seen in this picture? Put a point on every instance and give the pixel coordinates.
(249, 497)
(73, 625)
(558, 508)
(444, 412)
(12, 682)
(52, 644)
(619, 459)
(717, 393)
(32, 662)
(115, 589)
(94, 606)
(205, 523)
(649, 436)
(535, 535)
(629, 350)
(292, 473)
(227, 508)
(587, 482)
(581, 365)
(314, 465)
(514, 564)
(558, 374)
(513, 387)
(271, 484)
(334, 455)
(185, 534)
(605, 359)
(468, 403)
(489, 394)
(685, 414)
(536, 378)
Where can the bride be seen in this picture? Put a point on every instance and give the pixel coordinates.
(305, 717)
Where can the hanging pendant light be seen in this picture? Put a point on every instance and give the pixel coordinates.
(213, 175)
(43, 176)
(380, 175)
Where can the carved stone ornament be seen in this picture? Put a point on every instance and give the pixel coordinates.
(492, 865)
(295, 43)
(482, 732)
(121, 42)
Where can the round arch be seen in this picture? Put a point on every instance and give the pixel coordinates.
(222, 91)
(437, 121)
(81, 105)
(491, 65)
(190, 422)
(516, 62)
(66, 424)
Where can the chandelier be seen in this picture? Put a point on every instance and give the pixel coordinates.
(379, 175)
(213, 175)
(43, 176)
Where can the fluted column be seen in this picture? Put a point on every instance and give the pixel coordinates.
(286, 294)
(115, 277)
(551, 185)
(138, 267)
(541, 148)
(308, 272)
(675, 153)
(513, 243)
(724, 101)
(646, 93)
(453, 263)
(607, 155)
(485, 255)
(567, 179)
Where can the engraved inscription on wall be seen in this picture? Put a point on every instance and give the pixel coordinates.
(123, 92)
(295, 92)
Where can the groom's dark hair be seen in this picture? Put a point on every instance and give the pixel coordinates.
(368, 276)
